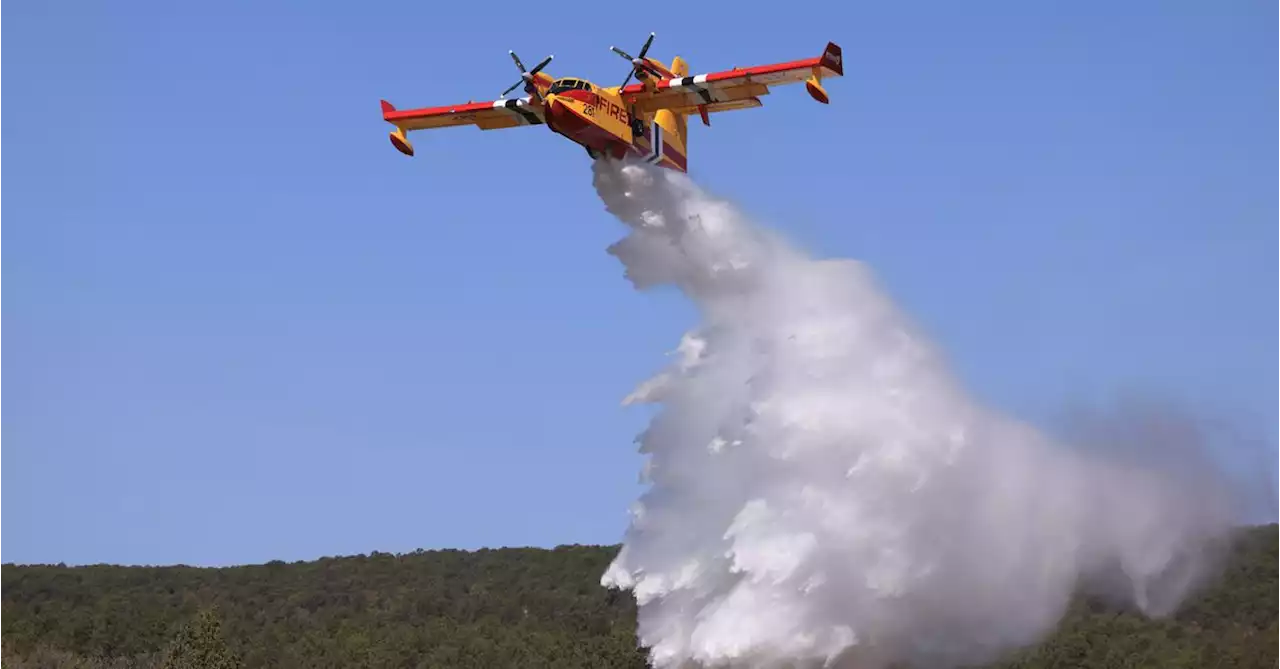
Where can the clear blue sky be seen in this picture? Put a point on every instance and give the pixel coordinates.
(241, 327)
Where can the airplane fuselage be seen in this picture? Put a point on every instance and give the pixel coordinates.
(598, 119)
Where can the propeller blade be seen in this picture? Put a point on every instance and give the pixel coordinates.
(638, 63)
(538, 68)
(517, 60)
(645, 48)
(526, 76)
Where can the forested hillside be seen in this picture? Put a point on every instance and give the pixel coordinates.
(504, 608)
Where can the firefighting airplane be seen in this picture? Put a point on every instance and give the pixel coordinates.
(646, 120)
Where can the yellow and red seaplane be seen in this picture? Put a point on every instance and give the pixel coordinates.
(647, 120)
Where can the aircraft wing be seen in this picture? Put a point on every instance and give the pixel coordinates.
(493, 115)
(738, 88)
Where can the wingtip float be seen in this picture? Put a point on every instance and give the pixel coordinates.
(647, 120)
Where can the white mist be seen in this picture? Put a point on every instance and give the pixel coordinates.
(824, 492)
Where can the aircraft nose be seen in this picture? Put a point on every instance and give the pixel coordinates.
(556, 111)
(563, 117)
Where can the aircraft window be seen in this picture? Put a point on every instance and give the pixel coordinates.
(564, 85)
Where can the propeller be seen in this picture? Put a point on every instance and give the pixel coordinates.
(638, 63)
(526, 76)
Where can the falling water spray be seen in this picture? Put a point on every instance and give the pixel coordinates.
(823, 492)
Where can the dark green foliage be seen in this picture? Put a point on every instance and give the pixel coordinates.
(199, 645)
(525, 608)
(488, 608)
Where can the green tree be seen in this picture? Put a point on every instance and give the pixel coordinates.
(523, 608)
(200, 645)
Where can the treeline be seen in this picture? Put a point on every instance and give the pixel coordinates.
(522, 608)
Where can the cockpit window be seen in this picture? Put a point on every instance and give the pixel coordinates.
(568, 85)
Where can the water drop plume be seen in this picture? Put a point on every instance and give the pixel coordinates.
(823, 492)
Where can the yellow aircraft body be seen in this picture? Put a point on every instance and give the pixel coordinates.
(647, 120)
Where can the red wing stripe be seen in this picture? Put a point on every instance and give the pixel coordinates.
(753, 71)
(765, 69)
(391, 114)
(759, 70)
(410, 114)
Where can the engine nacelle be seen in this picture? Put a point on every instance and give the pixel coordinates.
(401, 142)
(816, 91)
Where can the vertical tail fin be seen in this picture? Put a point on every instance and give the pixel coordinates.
(675, 126)
(679, 67)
